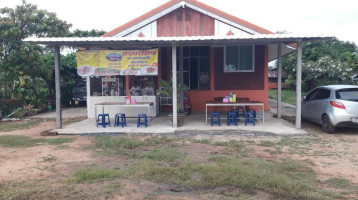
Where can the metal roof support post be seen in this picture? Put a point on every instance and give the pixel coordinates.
(58, 88)
(181, 74)
(174, 81)
(298, 84)
(88, 99)
(279, 77)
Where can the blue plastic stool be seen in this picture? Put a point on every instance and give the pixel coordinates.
(241, 111)
(101, 120)
(213, 115)
(121, 122)
(254, 112)
(139, 123)
(232, 118)
(250, 118)
(237, 113)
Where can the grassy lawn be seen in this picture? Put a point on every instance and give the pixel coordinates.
(287, 96)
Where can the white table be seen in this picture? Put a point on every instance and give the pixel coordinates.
(260, 105)
(150, 106)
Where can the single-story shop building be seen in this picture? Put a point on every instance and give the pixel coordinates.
(213, 53)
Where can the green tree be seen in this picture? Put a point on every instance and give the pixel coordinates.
(317, 58)
(21, 67)
(90, 33)
(68, 70)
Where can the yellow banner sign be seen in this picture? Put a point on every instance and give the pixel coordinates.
(117, 62)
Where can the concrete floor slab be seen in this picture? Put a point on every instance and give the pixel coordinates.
(193, 123)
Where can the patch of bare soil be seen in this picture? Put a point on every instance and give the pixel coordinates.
(32, 131)
(24, 164)
(339, 158)
(333, 156)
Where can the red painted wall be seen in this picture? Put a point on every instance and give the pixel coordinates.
(252, 85)
(239, 80)
(185, 22)
(199, 98)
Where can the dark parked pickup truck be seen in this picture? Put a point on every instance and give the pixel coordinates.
(79, 94)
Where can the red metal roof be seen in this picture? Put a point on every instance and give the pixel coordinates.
(193, 2)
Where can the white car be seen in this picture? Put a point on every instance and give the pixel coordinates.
(332, 106)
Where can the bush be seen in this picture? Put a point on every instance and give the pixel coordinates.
(7, 106)
(26, 112)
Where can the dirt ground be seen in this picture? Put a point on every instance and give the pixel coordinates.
(335, 155)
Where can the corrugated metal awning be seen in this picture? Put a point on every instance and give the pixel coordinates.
(152, 42)
(169, 41)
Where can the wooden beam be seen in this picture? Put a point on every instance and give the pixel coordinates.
(127, 86)
(279, 78)
(298, 84)
(174, 79)
(58, 88)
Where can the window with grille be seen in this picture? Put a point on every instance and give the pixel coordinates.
(239, 58)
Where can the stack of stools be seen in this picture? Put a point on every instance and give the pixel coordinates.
(250, 117)
(254, 112)
(101, 120)
(213, 121)
(241, 112)
(139, 121)
(237, 113)
(232, 118)
(120, 120)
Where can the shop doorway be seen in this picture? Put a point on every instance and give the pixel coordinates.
(196, 67)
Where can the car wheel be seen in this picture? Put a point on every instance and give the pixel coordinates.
(327, 125)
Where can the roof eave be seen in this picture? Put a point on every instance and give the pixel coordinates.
(120, 42)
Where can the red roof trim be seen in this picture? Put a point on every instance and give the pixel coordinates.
(230, 33)
(193, 2)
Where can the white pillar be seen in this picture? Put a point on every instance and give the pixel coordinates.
(298, 84)
(181, 76)
(58, 88)
(88, 99)
(174, 81)
(279, 79)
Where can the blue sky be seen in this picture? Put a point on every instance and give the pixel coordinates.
(304, 17)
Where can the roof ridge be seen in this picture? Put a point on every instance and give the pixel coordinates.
(199, 4)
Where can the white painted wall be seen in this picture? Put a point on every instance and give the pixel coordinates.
(129, 111)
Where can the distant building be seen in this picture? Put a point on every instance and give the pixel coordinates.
(272, 78)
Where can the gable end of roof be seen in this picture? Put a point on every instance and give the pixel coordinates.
(200, 5)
